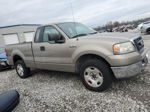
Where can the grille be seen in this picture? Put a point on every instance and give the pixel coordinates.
(139, 43)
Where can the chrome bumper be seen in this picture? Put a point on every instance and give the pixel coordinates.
(130, 70)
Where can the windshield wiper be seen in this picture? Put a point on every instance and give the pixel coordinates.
(93, 33)
(79, 35)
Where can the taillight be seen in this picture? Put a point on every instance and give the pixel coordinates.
(6, 52)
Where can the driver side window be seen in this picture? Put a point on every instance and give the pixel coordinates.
(49, 30)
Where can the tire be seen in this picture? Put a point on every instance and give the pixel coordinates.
(0, 68)
(21, 69)
(148, 31)
(96, 75)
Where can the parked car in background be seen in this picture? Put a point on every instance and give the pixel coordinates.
(124, 28)
(3, 59)
(102, 31)
(73, 47)
(145, 28)
(139, 26)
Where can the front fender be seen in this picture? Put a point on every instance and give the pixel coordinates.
(91, 49)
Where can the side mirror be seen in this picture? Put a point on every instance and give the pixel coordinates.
(55, 37)
(60, 41)
(9, 100)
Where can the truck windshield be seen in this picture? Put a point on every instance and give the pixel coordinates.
(74, 30)
(1, 50)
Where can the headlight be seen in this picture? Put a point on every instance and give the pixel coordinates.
(123, 48)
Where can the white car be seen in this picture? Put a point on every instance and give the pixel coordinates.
(145, 28)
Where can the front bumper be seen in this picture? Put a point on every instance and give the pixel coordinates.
(130, 70)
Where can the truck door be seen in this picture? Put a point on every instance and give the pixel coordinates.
(48, 54)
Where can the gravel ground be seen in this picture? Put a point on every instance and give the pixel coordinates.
(47, 91)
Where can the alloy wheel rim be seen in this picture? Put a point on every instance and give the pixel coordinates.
(20, 70)
(93, 77)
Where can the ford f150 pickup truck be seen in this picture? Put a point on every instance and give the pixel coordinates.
(73, 47)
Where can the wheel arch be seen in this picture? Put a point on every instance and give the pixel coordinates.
(16, 58)
(85, 57)
(148, 30)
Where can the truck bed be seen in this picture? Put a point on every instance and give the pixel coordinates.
(22, 49)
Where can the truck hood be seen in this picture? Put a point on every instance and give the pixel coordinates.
(110, 37)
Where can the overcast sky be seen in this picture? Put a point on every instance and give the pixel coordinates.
(90, 12)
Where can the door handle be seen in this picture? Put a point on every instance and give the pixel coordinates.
(42, 48)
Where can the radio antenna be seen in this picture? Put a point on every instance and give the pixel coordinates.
(72, 12)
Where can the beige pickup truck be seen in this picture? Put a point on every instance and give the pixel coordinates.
(73, 47)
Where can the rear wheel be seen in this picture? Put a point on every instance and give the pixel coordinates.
(21, 69)
(96, 75)
(148, 31)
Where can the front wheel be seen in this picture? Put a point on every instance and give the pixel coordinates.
(21, 69)
(96, 75)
